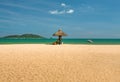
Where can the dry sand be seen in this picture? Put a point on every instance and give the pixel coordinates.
(54, 63)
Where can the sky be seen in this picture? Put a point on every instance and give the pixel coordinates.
(77, 18)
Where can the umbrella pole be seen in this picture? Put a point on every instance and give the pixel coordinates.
(60, 39)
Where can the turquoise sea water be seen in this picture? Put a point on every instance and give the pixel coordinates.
(65, 41)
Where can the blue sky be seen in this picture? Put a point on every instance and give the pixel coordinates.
(78, 18)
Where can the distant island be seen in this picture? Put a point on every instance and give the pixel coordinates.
(24, 36)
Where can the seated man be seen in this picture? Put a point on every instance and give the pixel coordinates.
(56, 42)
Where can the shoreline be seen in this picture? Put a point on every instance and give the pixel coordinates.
(54, 45)
(65, 41)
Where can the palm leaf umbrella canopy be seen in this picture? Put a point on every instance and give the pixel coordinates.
(59, 33)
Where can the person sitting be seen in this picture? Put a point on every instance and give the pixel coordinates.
(55, 43)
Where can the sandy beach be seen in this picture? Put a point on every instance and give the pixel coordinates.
(59, 63)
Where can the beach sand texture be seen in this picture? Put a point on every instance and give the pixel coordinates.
(59, 63)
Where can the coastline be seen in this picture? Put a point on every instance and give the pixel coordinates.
(65, 41)
(59, 63)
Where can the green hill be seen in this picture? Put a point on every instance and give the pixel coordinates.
(24, 36)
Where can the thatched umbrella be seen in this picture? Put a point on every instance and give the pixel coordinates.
(59, 33)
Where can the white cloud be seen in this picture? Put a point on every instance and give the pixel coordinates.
(62, 12)
(63, 4)
(56, 12)
(53, 12)
(66, 10)
(70, 11)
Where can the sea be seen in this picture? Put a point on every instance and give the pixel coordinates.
(64, 41)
